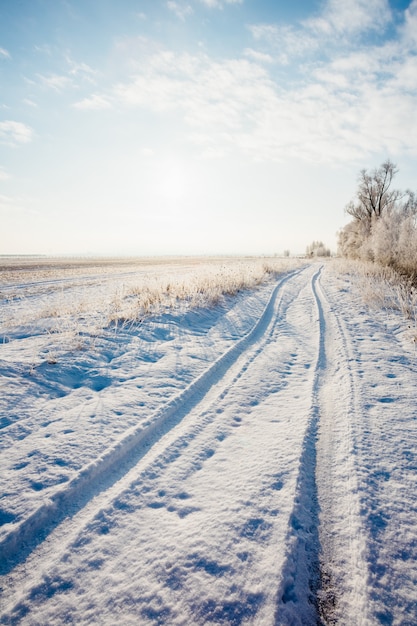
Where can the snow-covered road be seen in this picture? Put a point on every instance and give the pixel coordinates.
(250, 464)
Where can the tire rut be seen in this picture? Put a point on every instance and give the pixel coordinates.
(342, 592)
(301, 573)
(323, 549)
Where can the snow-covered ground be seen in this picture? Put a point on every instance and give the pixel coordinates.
(252, 462)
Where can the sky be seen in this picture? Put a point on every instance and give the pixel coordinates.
(154, 127)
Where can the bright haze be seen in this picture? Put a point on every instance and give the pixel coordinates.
(198, 126)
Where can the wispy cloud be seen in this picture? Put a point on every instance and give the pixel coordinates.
(205, 91)
(80, 69)
(356, 16)
(286, 42)
(94, 103)
(255, 55)
(219, 4)
(344, 109)
(44, 49)
(345, 104)
(337, 25)
(57, 82)
(14, 133)
(73, 73)
(409, 28)
(30, 103)
(4, 54)
(181, 10)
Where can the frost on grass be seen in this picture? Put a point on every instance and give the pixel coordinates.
(384, 289)
(71, 303)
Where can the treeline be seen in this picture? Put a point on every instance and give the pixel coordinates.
(383, 228)
(317, 248)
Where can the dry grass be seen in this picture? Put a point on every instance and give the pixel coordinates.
(384, 288)
(73, 300)
(203, 288)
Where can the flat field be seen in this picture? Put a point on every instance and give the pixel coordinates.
(203, 441)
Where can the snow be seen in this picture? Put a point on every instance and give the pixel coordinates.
(252, 462)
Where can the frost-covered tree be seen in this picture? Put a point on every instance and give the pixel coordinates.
(317, 248)
(407, 245)
(374, 194)
(352, 239)
(383, 228)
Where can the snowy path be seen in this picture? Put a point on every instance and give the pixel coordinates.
(266, 488)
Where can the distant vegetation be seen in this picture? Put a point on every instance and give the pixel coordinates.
(317, 248)
(383, 227)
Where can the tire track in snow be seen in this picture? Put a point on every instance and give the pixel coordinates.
(301, 572)
(344, 572)
(106, 470)
(325, 572)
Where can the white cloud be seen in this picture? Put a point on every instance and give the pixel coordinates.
(257, 56)
(93, 103)
(80, 69)
(409, 29)
(57, 82)
(348, 103)
(404, 77)
(350, 100)
(219, 4)
(182, 11)
(15, 133)
(75, 73)
(4, 54)
(206, 92)
(338, 23)
(346, 109)
(285, 41)
(44, 49)
(355, 16)
(30, 103)
(362, 63)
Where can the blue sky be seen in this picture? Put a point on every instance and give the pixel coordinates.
(197, 126)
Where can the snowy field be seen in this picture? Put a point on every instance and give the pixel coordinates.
(177, 452)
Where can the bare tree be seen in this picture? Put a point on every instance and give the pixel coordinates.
(374, 194)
